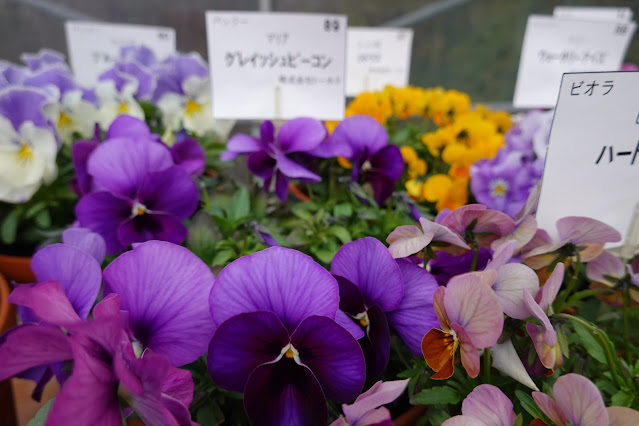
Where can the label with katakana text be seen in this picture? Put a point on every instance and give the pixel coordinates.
(592, 161)
(554, 45)
(377, 57)
(277, 65)
(95, 46)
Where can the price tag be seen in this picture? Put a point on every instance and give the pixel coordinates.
(553, 46)
(276, 65)
(377, 57)
(623, 14)
(592, 162)
(94, 46)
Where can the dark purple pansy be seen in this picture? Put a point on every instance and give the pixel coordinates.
(140, 194)
(445, 265)
(277, 341)
(269, 156)
(161, 286)
(364, 142)
(376, 291)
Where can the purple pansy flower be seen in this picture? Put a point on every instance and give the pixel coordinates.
(141, 195)
(375, 291)
(364, 142)
(161, 286)
(103, 364)
(174, 70)
(268, 156)
(140, 54)
(445, 266)
(131, 71)
(43, 59)
(277, 341)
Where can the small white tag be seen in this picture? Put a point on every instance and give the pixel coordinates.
(592, 162)
(622, 14)
(94, 46)
(377, 57)
(277, 65)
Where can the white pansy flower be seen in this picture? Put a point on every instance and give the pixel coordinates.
(72, 114)
(27, 159)
(114, 103)
(193, 109)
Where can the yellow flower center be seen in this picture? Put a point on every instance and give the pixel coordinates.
(498, 188)
(366, 166)
(363, 321)
(64, 120)
(123, 108)
(138, 209)
(192, 107)
(25, 153)
(289, 353)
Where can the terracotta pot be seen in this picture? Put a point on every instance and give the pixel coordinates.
(7, 320)
(17, 268)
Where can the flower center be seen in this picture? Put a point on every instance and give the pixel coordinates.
(289, 352)
(64, 120)
(192, 107)
(498, 188)
(138, 209)
(25, 153)
(366, 166)
(123, 108)
(362, 318)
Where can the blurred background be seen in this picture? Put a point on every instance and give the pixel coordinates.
(468, 45)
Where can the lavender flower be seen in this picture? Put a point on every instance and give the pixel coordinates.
(376, 291)
(142, 195)
(268, 157)
(277, 341)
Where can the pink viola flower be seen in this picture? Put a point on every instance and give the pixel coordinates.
(478, 225)
(486, 405)
(409, 239)
(577, 235)
(576, 400)
(470, 317)
(543, 336)
(606, 271)
(367, 408)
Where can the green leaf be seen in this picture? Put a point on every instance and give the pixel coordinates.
(436, 395)
(324, 255)
(623, 398)
(300, 210)
(519, 420)
(529, 405)
(221, 257)
(341, 233)
(240, 206)
(343, 210)
(563, 343)
(43, 219)
(41, 416)
(9, 227)
(210, 414)
(591, 344)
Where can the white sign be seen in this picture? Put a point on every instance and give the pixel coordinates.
(276, 65)
(94, 46)
(553, 46)
(592, 163)
(377, 57)
(623, 14)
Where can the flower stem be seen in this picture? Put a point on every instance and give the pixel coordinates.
(487, 363)
(610, 357)
(473, 265)
(626, 327)
(563, 297)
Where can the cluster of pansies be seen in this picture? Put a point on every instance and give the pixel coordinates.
(327, 269)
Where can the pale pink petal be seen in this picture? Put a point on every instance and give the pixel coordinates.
(512, 279)
(622, 416)
(531, 205)
(378, 417)
(549, 408)
(463, 421)
(580, 400)
(523, 233)
(469, 354)
(590, 251)
(549, 335)
(550, 356)
(549, 291)
(379, 394)
(580, 230)
(502, 255)
(505, 359)
(441, 233)
(440, 308)
(489, 404)
(407, 240)
(476, 308)
(605, 264)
